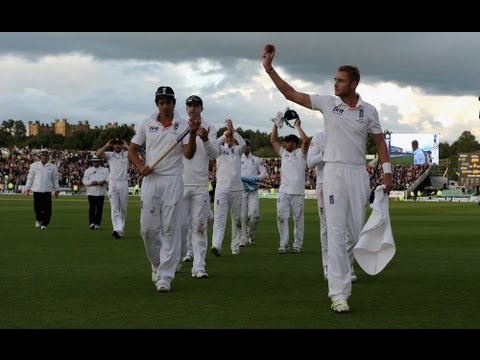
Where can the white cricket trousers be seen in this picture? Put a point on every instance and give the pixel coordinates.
(285, 202)
(118, 194)
(323, 227)
(194, 216)
(160, 225)
(345, 194)
(224, 200)
(250, 215)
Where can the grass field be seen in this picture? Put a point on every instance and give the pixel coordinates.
(70, 277)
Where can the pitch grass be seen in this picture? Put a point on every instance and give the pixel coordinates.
(70, 277)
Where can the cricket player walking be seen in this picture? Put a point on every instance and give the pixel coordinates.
(252, 172)
(162, 185)
(196, 202)
(229, 190)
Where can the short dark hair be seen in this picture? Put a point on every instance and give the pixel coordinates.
(352, 71)
(292, 137)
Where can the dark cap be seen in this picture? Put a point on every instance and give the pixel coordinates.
(290, 115)
(117, 141)
(247, 142)
(165, 92)
(194, 99)
(95, 158)
(292, 137)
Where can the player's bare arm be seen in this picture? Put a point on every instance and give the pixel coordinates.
(274, 139)
(190, 148)
(134, 157)
(101, 152)
(286, 89)
(384, 158)
(303, 136)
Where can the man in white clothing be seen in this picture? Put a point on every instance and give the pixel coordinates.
(162, 185)
(95, 179)
(291, 194)
(117, 182)
(315, 161)
(228, 192)
(252, 171)
(346, 184)
(418, 155)
(196, 204)
(42, 180)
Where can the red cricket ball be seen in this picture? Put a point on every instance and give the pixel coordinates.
(269, 48)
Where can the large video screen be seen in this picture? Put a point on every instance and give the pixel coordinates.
(427, 152)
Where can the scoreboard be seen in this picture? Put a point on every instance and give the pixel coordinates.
(469, 169)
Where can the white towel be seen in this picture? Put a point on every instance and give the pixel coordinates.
(376, 247)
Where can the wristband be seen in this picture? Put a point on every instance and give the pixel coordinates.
(387, 168)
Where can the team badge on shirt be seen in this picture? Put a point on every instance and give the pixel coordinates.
(153, 129)
(337, 110)
(361, 117)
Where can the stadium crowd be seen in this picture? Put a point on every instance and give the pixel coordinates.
(15, 162)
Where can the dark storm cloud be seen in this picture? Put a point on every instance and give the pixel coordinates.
(438, 63)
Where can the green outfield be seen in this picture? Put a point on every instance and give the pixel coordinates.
(72, 277)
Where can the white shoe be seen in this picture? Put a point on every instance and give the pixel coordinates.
(235, 252)
(200, 274)
(282, 249)
(340, 306)
(43, 227)
(163, 286)
(38, 224)
(188, 258)
(92, 226)
(354, 278)
(97, 227)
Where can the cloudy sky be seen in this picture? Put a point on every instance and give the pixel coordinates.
(419, 82)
